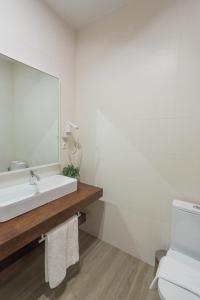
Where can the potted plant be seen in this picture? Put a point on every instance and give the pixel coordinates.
(71, 171)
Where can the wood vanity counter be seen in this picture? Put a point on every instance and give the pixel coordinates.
(22, 230)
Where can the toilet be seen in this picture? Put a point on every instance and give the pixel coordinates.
(184, 247)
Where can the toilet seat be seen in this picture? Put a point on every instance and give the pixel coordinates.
(169, 291)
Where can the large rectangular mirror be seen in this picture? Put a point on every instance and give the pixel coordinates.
(29, 116)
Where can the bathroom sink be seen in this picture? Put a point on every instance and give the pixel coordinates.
(22, 198)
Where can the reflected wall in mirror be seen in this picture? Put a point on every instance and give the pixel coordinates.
(29, 116)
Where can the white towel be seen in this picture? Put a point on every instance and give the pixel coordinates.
(55, 256)
(61, 251)
(72, 244)
(178, 273)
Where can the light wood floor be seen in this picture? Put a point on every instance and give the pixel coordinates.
(104, 273)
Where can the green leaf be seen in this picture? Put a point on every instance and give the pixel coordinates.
(71, 171)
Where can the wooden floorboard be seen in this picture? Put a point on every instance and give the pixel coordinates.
(104, 273)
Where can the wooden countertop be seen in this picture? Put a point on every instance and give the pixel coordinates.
(18, 232)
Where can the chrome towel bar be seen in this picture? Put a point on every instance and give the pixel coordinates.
(43, 236)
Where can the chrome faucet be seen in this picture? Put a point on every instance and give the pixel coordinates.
(34, 179)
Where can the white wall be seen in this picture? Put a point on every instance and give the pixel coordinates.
(6, 115)
(138, 107)
(31, 33)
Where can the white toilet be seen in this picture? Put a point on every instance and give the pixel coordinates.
(184, 247)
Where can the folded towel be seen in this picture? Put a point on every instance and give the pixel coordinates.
(61, 251)
(55, 256)
(177, 273)
(72, 244)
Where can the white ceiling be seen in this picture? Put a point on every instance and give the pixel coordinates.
(78, 13)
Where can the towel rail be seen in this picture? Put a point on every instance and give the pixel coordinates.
(5, 263)
(43, 236)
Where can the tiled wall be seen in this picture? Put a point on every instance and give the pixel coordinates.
(138, 106)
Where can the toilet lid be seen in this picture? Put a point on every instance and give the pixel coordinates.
(168, 291)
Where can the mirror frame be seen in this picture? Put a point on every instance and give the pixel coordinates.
(21, 171)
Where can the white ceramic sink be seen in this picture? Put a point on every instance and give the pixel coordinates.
(22, 198)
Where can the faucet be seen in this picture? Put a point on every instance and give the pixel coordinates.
(34, 179)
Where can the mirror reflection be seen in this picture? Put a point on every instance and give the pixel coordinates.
(29, 116)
